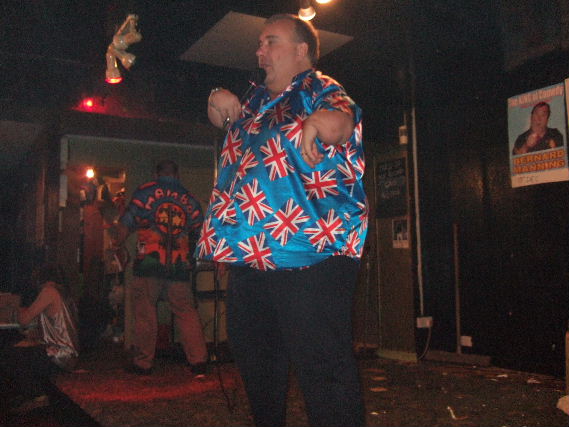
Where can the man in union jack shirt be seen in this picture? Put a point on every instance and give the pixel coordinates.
(288, 215)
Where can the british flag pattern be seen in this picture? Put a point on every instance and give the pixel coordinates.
(269, 209)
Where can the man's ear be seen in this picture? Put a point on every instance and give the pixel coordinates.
(302, 50)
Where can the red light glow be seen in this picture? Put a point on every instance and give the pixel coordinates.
(101, 387)
(88, 103)
(114, 80)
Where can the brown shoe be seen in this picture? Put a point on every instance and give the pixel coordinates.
(199, 370)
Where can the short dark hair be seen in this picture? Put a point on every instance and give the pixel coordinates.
(167, 168)
(304, 31)
(542, 104)
(50, 273)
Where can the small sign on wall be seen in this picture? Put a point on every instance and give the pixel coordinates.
(400, 227)
(391, 188)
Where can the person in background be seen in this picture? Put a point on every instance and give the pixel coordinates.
(29, 364)
(166, 218)
(539, 136)
(288, 215)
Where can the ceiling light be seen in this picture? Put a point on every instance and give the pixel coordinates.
(123, 38)
(126, 59)
(112, 74)
(323, 1)
(88, 103)
(123, 41)
(306, 11)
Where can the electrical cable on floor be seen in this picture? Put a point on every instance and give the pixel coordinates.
(228, 400)
(427, 344)
(216, 316)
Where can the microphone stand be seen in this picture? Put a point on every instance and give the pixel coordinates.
(214, 356)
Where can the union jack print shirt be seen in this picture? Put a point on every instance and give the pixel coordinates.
(269, 209)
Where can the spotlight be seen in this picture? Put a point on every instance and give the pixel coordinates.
(306, 11)
(88, 103)
(123, 38)
(123, 41)
(112, 74)
(323, 1)
(126, 59)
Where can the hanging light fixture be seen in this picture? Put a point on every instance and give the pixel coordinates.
(306, 11)
(126, 35)
(112, 74)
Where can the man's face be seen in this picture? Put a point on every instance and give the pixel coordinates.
(278, 54)
(539, 118)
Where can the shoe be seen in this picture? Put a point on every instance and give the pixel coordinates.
(34, 403)
(199, 370)
(135, 369)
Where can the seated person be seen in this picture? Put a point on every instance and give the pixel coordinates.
(28, 364)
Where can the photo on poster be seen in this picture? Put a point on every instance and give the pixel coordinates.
(537, 133)
(400, 233)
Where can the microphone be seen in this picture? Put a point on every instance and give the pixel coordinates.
(225, 125)
(253, 82)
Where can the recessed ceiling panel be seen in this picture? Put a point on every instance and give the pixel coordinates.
(233, 40)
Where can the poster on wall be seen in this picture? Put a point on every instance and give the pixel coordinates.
(391, 188)
(537, 134)
(400, 228)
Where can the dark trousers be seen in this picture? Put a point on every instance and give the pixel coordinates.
(27, 369)
(303, 317)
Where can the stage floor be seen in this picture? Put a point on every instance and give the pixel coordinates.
(396, 393)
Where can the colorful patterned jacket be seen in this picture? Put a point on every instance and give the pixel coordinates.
(167, 219)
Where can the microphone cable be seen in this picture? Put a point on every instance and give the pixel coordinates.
(253, 83)
(230, 402)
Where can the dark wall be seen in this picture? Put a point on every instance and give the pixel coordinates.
(531, 228)
(28, 187)
(456, 76)
(512, 243)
